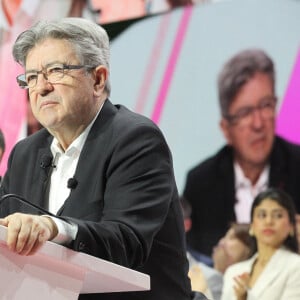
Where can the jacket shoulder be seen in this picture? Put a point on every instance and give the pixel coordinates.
(130, 119)
(210, 167)
(41, 138)
(291, 258)
(283, 147)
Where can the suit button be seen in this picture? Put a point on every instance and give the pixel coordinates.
(81, 246)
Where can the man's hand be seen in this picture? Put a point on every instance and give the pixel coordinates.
(27, 233)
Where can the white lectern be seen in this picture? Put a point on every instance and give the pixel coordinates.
(56, 272)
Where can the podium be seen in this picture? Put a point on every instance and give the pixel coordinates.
(56, 272)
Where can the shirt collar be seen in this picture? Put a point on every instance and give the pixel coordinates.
(241, 180)
(77, 145)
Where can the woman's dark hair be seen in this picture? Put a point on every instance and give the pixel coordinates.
(286, 201)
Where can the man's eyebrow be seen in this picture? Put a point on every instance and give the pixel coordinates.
(45, 66)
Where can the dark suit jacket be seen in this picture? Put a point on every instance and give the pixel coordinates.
(125, 204)
(210, 190)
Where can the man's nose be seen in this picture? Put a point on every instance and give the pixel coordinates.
(42, 84)
(257, 118)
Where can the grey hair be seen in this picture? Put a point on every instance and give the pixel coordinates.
(89, 40)
(239, 70)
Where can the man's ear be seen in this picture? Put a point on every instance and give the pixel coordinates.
(100, 76)
(224, 125)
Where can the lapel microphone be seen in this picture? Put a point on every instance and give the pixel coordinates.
(46, 161)
(23, 200)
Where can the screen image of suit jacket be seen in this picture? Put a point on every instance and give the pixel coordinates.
(210, 188)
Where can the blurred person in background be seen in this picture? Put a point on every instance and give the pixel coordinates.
(273, 272)
(237, 245)
(187, 212)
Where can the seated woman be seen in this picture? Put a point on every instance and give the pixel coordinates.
(235, 246)
(273, 273)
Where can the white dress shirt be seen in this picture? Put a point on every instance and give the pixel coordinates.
(65, 163)
(245, 192)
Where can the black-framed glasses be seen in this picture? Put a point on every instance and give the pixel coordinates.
(52, 73)
(243, 116)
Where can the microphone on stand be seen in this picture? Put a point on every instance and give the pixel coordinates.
(23, 200)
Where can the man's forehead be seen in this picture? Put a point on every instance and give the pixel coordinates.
(49, 51)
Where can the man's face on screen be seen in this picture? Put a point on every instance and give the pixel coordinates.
(251, 123)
